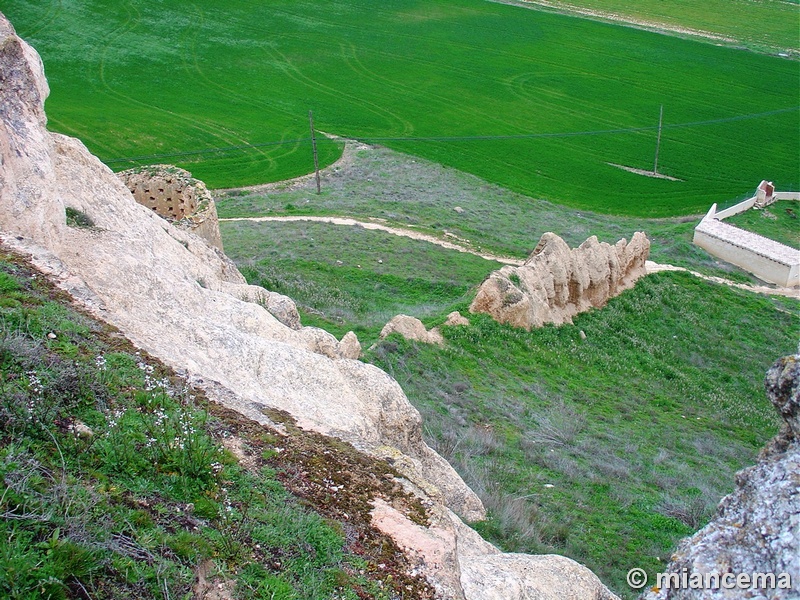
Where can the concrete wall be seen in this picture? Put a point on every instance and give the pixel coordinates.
(766, 259)
(761, 266)
(735, 209)
(787, 196)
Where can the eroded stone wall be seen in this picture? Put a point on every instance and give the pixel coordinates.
(172, 193)
(557, 282)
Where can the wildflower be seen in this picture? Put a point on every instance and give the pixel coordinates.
(100, 362)
(34, 383)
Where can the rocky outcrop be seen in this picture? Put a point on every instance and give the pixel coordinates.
(183, 302)
(556, 283)
(456, 319)
(173, 194)
(411, 328)
(464, 565)
(757, 527)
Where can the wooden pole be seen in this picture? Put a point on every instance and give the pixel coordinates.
(658, 141)
(314, 146)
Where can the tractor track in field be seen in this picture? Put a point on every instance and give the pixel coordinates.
(463, 245)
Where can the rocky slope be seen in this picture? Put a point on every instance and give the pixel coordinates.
(555, 283)
(757, 527)
(185, 303)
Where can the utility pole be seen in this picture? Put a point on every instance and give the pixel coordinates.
(658, 141)
(314, 146)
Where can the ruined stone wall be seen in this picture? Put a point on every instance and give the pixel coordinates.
(556, 282)
(172, 193)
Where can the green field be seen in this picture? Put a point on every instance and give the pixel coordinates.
(175, 80)
(776, 21)
(778, 222)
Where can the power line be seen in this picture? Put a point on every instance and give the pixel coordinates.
(220, 150)
(522, 136)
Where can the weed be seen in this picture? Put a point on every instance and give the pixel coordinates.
(77, 218)
(115, 486)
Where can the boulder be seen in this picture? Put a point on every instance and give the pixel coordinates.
(455, 319)
(411, 328)
(555, 283)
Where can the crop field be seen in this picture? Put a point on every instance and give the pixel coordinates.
(730, 20)
(541, 103)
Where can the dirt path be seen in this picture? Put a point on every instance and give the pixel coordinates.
(461, 245)
(658, 26)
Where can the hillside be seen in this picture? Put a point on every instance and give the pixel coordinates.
(605, 440)
(123, 481)
(639, 428)
(184, 302)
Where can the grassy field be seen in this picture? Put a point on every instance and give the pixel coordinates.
(351, 277)
(410, 192)
(734, 19)
(144, 79)
(778, 222)
(639, 429)
(608, 450)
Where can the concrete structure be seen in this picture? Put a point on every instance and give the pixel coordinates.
(765, 195)
(765, 258)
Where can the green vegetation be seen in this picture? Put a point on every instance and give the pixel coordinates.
(76, 218)
(770, 25)
(778, 222)
(413, 193)
(608, 449)
(181, 81)
(639, 428)
(118, 481)
(334, 273)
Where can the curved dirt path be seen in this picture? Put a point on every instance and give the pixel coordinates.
(378, 226)
(652, 267)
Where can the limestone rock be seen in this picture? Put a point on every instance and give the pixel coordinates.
(350, 347)
(455, 319)
(757, 527)
(411, 328)
(556, 283)
(281, 307)
(173, 194)
(464, 566)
